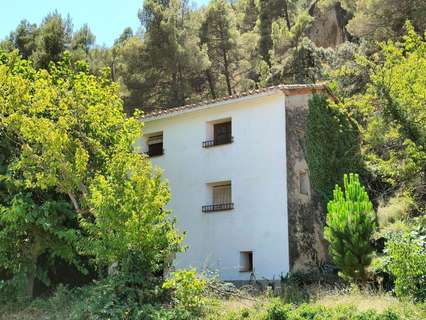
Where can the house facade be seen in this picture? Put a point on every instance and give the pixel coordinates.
(239, 182)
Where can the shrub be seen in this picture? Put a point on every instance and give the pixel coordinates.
(278, 311)
(188, 291)
(406, 261)
(351, 223)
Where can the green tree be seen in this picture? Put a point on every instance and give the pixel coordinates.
(53, 38)
(247, 15)
(35, 224)
(172, 56)
(351, 223)
(23, 38)
(83, 39)
(294, 58)
(391, 112)
(125, 35)
(332, 145)
(220, 35)
(85, 156)
(270, 11)
(385, 19)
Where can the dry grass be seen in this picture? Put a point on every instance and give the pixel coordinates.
(364, 300)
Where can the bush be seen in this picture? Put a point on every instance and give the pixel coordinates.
(351, 223)
(188, 292)
(406, 261)
(277, 311)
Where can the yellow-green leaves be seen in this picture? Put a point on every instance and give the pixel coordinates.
(65, 137)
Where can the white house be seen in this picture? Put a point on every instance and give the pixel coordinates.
(227, 163)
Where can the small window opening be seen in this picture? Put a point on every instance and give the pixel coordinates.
(155, 145)
(303, 183)
(220, 197)
(222, 132)
(218, 133)
(246, 261)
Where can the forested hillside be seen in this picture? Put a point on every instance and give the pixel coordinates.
(182, 54)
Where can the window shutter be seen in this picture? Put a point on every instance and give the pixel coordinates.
(222, 194)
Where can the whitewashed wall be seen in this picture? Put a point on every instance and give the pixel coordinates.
(255, 163)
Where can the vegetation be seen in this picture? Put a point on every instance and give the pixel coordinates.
(406, 257)
(78, 189)
(76, 195)
(339, 155)
(351, 222)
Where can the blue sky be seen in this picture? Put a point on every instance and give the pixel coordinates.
(106, 18)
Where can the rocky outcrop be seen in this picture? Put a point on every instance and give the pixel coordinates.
(329, 26)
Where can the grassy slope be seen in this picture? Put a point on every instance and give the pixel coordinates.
(60, 305)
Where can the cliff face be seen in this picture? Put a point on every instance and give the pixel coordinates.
(328, 28)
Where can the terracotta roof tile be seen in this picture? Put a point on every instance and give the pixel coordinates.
(288, 89)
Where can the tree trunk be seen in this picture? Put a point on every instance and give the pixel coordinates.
(226, 66)
(31, 273)
(29, 290)
(211, 83)
(286, 15)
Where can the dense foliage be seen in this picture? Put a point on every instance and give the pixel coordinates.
(340, 154)
(351, 223)
(71, 182)
(406, 261)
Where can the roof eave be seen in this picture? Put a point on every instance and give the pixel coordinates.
(288, 90)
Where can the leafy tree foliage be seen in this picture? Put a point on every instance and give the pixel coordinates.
(351, 222)
(69, 166)
(391, 112)
(406, 261)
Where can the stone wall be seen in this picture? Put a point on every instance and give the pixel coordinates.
(305, 213)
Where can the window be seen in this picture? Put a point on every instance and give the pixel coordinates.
(220, 133)
(155, 145)
(303, 183)
(221, 197)
(222, 194)
(246, 261)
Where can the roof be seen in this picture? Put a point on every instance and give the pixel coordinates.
(288, 89)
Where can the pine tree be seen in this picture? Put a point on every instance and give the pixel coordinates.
(219, 33)
(270, 11)
(23, 38)
(351, 222)
(384, 19)
(53, 38)
(172, 53)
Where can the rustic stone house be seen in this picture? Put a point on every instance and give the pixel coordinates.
(240, 182)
